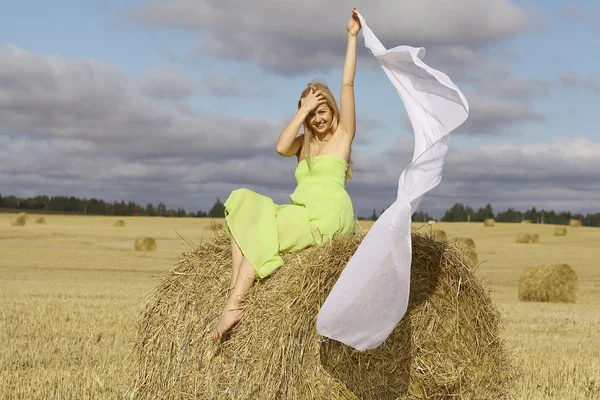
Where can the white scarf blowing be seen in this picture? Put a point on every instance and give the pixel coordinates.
(371, 295)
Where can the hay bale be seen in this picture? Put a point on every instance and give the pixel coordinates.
(523, 238)
(40, 220)
(535, 238)
(469, 245)
(20, 220)
(145, 244)
(489, 222)
(574, 222)
(446, 345)
(440, 236)
(560, 231)
(120, 224)
(549, 283)
(526, 221)
(466, 242)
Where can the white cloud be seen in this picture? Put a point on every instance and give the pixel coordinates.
(167, 83)
(290, 37)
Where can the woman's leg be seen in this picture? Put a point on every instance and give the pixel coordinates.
(236, 255)
(232, 313)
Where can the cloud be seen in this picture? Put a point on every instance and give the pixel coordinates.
(221, 85)
(559, 175)
(496, 116)
(167, 83)
(51, 98)
(288, 38)
(590, 82)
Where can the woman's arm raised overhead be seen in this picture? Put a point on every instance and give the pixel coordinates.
(347, 112)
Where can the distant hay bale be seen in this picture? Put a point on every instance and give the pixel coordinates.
(526, 221)
(523, 238)
(145, 244)
(275, 352)
(120, 223)
(466, 242)
(40, 220)
(489, 222)
(440, 236)
(20, 220)
(535, 238)
(469, 245)
(549, 283)
(560, 231)
(574, 222)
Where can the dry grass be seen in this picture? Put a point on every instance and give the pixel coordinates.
(276, 353)
(71, 291)
(535, 238)
(574, 222)
(526, 221)
(119, 223)
(489, 222)
(40, 220)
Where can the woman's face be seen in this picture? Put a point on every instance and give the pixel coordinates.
(321, 120)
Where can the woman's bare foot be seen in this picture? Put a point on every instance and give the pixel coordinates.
(232, 313)
(230, 316)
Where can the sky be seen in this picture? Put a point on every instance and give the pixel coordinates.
(182, 101)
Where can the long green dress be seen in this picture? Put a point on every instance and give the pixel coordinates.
(320, 208)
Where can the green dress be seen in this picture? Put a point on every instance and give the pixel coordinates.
(320, 208)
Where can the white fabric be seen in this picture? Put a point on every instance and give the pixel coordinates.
(371, 295)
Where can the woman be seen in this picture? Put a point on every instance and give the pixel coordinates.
(261, 230)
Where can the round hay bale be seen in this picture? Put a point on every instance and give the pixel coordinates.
(435, 352)
(120, 224)
(535, 238)
(523, 238)
(20, 220)
(466, 242)
(549, 283)
(526, 221)
(469, 245)
(574, 222)
(145, 244)
(440, 236)
(560, 231)
(489, 222)
(40, 220)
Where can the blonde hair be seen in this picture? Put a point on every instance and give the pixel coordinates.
(308, 132)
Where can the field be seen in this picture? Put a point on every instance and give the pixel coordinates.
(70, 291)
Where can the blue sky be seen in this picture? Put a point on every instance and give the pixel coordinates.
(532, 83)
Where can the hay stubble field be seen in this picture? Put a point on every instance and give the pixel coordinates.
(71, 290)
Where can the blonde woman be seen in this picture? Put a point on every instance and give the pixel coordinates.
(261, 230)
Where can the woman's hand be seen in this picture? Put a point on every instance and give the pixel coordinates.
(354, 23)
(313, 100)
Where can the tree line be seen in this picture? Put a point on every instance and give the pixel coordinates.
(464, 213)
(457, 213)
(74, 205)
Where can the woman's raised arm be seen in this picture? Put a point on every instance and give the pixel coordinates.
(347, 111)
